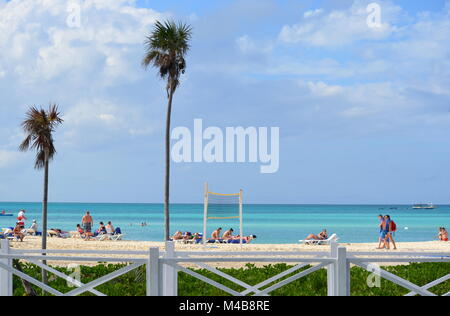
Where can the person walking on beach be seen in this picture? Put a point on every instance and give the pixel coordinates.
(382, 235)
(389, 229)
(87, 222)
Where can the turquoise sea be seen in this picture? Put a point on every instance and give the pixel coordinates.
(271, 223)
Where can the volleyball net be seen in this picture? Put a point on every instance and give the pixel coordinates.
(219, 207)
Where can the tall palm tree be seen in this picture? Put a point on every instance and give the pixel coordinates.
(39, 126)
(166, 48)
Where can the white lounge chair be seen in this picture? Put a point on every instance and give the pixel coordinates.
(314, 242)
(116, 237)
(101, 237)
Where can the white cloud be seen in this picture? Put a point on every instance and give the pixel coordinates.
(102, 119)
(322, 89)
(248, 46)
(312, 13)
(7, 158)
(37, 43)
(46, 59)
(339, 27)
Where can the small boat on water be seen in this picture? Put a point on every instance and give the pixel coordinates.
(422, 206)
(9, 215)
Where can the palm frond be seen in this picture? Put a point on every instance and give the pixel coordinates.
(166, 47)
(39, 126)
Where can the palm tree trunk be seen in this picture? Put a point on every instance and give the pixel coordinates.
(167, 176)
(44, 218)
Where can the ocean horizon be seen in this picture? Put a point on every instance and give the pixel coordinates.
(271, 223)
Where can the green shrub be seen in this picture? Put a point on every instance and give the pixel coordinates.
(315, 284)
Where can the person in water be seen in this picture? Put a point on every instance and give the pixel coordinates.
(321, 236)
(443, 234)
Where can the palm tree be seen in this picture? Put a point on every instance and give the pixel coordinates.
(166, 48)
(39, 126)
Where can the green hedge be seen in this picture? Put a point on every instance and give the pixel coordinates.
(133, 283)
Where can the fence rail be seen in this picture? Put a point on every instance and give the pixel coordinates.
(162, 268)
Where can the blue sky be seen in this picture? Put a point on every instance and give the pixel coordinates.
(364, 114)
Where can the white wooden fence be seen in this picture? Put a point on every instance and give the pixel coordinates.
(162, 268)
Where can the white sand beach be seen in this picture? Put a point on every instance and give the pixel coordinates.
(78, 244)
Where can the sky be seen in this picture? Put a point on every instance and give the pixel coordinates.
(363, 112)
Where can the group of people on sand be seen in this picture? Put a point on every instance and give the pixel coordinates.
(387, 230)
(216, 236)
(19, 231)
(87, 222)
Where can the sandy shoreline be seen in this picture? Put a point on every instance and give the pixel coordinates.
(78, 244)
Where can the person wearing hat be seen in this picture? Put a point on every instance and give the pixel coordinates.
(34, 228)
(21, 218)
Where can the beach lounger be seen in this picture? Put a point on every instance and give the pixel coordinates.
(101, 237)
(313, 242)
(116, 237)
(75, 234)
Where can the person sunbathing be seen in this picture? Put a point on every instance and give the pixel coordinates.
(17, 232)
(187, 236)
(216, 234)
(443, 234)
(56, 232)
(245, 240)
(322, 236)
(228, 234)
(178, 236)
(110, 228)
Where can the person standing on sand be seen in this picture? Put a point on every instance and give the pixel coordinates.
(381, 236)
(21, 218)
(87, 222)
(389, 229)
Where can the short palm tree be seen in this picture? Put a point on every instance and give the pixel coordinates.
(39, 126)
(166, 48)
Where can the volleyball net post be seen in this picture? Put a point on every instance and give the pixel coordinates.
(218, 206)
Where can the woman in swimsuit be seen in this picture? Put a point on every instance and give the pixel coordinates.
(443, 234)
(322, 236)
(18, 232)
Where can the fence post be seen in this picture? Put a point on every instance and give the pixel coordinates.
(170, 274)
(331, 279)
(6, 277)
(342, 273)
(153, 273)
